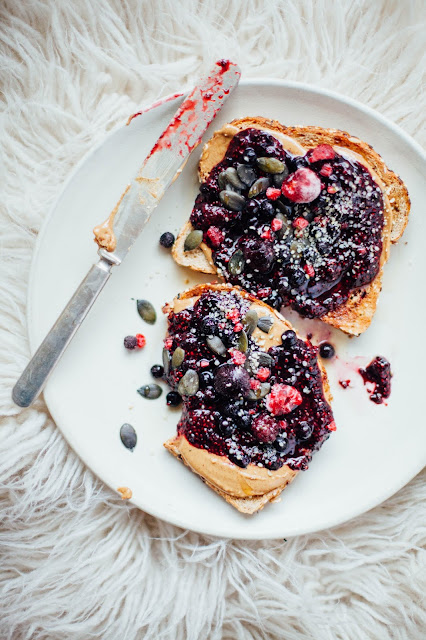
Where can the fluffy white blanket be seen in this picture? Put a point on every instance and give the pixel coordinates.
(75, 561)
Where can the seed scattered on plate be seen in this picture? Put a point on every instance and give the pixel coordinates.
(146, 311)
(151, 391)
(128, 436)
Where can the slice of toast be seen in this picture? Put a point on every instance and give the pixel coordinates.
(247, 489)
(355, 315)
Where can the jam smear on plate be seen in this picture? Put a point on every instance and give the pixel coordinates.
(252, 405)
(302, 231)
(379, 373)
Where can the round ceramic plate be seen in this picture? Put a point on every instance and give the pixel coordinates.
(375, 450)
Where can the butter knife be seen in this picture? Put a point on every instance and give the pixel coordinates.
(118, 233)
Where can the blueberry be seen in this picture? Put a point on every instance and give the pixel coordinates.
(288, 338)
(157, 371)
(326, 350)
(252, 206)
(130, 342)
(231, 381)
(260, 254)
(284, 254)
(231, 409)
(304, 430)
(267, 209)
(167, 239)
(249, 155)
(227, 427)
(297, 277)
(239, 457)
(206, 379)
(173, 399)
(208, 325)
(281, 442)
(244, 421)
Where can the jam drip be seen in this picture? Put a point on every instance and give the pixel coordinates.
(272, 234)
(379, 373)
(252, 406)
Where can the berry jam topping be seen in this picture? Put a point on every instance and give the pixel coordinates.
(302, 231)
(250, 405)
(379, 373)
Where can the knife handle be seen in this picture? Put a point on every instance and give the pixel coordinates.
(53, 346)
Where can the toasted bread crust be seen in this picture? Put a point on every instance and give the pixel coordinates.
(249, 504)
(356, 314)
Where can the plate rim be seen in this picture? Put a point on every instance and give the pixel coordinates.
(281, 84)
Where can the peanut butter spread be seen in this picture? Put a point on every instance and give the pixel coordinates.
(218, 470)
(104, 232)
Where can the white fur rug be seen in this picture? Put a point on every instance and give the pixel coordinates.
(75, 561)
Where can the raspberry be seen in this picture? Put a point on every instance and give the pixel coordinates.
(168, 343)
(233, 314)
(282, 399)
(263, 374)
(265, 428)
(238, 327)
(141, 340)
(321, 152)
(276, 224)
(264, 292)
(331, 189)
(309, 270)
(254, 384)
(204, 363)
(326, 170)
(332, 426)
(237, 356)
(300, 223)
(273, 194)
(266, 234)
(215, 236)
(302, 186)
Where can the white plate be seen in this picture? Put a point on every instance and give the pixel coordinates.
(376, 449)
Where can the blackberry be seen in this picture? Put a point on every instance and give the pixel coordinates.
(130, 342)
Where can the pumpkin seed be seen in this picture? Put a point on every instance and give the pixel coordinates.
(257, 394)
(284, 208)
(259, 186)
(278, 178)
(128, 436)
(189, 384)
(246, 174)
(265, 323)
(265, 360)
(150, 391)
(178, 357)
(222, 181)
(243, 342)
(232, 178)
(166, 361)
(232, 200)
(193, 240)
(250, 321)
(216, 345)
(146, 311)
(236, 263)
(270, 165)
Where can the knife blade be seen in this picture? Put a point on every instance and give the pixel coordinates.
(118, 233)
